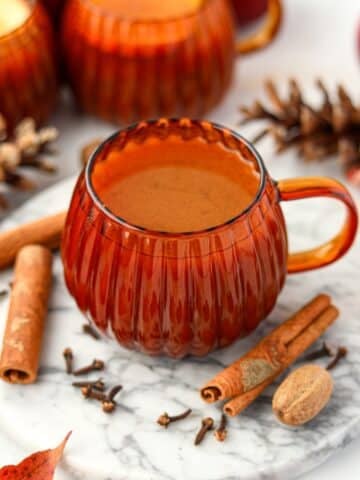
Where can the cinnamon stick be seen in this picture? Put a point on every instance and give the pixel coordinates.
(265, 359)
(26, 318)
(46, 231)
(246, 378)
(240, 402)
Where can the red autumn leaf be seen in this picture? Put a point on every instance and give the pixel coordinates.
(39, 466)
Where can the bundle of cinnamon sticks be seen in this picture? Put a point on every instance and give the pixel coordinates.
(243, 381)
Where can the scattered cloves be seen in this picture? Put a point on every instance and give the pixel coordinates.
(114, 391)
(164, 420)
(221, 433)
(3, 293)
(88, 392)
(68, 355)
(324, 351)
(341, 353)
(207, 424)
(90, 330)
(93, 367)
(96, 385)
(109, 403)
(108, 406)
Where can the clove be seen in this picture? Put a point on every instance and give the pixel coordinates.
(88, 392)
(108, 406)
(93, 367)
(341, 353)
(96, 385)
(109, 403)
(3, 293)
(114, 391)
(164, 420)
(69, 357)
(324, 351)
(207, 424)
(90, 330)
(221, 433)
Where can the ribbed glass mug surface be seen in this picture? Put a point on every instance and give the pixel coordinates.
(28, 84)
(249, 10)
(176, 294)
(125, 69)
(54, 9)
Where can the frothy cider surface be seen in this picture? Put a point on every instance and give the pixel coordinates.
(150, 9)
(175, 185)
(13, 13)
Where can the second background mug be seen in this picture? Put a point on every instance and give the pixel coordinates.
(141, 59)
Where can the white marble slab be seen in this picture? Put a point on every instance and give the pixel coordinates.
(318, 38)
(129, 444)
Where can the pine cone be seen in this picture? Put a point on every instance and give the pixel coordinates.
(334, 128)
(24, 149)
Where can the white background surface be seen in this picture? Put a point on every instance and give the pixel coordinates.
(318, 39)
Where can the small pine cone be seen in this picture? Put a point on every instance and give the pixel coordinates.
(27, 125)
(348, 151)
(309, 121)
(341, 118)
(28, 144)
(47, 134)
(9, 155)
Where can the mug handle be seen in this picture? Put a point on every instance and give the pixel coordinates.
(329, 252)
(261, 38)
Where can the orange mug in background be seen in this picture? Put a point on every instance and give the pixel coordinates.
(28, 84)
(54, 9)
(129, 60)
(176, 291)
(249, 10)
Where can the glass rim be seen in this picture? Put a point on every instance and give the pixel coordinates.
(32, 5)
(156, 233)
(153, 20)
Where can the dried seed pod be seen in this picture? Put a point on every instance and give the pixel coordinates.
(48, 134)
(23, 149)
(28, 143)
(302, 395)
(9, 155)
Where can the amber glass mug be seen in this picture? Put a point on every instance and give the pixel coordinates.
(28, 84)
(148, 58)
(54, 9)
(249, 10)
(187, 293)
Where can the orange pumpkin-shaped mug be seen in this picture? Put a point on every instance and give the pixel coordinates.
(54, 9)
(139, 59)
(170, 265)
(28, 84)
(249, 10)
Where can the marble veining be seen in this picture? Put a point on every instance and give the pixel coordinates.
(129, 444)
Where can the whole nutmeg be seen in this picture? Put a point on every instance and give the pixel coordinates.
(302, 395)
